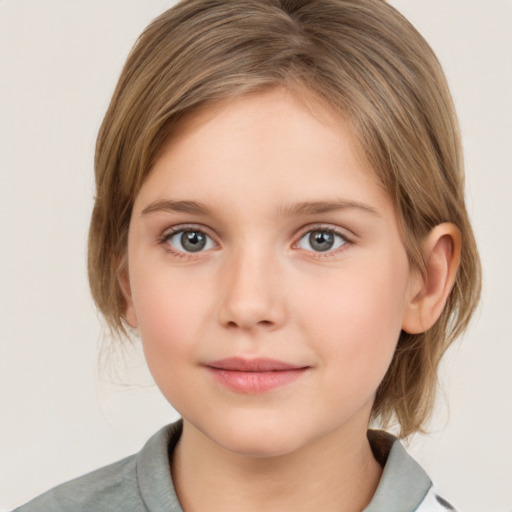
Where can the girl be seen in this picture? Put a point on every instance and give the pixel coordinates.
(280, 216)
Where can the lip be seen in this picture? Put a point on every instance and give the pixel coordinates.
(254, 376)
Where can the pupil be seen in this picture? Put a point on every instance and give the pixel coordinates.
(193, 241)
(321, 240)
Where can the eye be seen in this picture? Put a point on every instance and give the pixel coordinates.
(190, 240)
(321, 240)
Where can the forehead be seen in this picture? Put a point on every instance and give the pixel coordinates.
(278, 98)
(282, 145)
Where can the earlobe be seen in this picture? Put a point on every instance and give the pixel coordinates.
(441, 252)
(124, 282)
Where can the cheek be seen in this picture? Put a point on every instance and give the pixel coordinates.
(357, 318)
(168, 324)
(169, 316)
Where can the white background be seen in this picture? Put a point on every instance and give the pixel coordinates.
(59, 415)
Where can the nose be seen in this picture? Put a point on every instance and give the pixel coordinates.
(251, 291)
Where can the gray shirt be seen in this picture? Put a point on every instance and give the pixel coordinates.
(143, 482)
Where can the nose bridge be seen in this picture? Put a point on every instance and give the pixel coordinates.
(251, 290)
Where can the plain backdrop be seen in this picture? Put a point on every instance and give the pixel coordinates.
(62, 413)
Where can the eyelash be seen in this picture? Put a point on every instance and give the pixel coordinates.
(346, 240)
(182, 255)
(169, 234)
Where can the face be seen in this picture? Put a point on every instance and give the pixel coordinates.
(266, 276)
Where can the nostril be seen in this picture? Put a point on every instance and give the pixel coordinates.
(261, 323)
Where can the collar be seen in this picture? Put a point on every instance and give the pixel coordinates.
(404, 484)
(402, 488)
(154, 471)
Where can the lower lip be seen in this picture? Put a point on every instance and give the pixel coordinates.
(256, 382)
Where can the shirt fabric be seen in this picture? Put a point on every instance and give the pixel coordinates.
(143, 482)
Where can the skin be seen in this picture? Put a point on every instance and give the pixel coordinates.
(260, 289)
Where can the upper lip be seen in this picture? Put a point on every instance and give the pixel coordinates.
(241, 364)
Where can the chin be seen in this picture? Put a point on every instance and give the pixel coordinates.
(259, 446)
(257, 438)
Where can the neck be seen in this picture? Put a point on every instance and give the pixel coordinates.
(334, 473)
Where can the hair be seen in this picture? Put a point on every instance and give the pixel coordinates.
(365, 61)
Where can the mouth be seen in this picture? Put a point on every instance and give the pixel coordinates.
(254, 376)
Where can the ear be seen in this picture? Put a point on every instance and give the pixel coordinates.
(124, 282)
(430, 290)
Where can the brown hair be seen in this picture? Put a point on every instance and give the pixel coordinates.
(360, 57)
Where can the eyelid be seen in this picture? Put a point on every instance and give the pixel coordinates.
(348, 236)
(188, 226)
(171, 231)
(344, 233)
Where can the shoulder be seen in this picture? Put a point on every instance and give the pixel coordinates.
(137, 483)
(113, 487)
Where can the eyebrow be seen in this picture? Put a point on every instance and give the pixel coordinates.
(169, 205)
(293, 210)
(318, 207)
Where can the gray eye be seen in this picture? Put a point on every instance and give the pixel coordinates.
(321, 240)
(190, 241)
